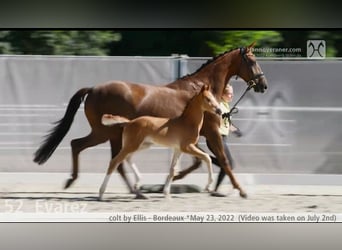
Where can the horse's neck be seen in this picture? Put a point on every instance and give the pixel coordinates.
(193, 113)
(216, 73)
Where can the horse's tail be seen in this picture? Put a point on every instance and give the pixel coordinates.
(110, 120)
(56, 135)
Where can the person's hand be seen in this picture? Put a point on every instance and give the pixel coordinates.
(237, 132)
(225, 115)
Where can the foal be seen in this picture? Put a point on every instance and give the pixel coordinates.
(180, 133)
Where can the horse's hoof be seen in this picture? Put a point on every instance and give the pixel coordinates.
(140, 196)
(243, 194)
(207, 189)
(217, 194)
(68, 183)
(210, 191)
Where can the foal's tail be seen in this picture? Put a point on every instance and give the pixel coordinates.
(109, 120)
(56, 135)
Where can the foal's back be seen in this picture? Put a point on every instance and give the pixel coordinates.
(152, 130)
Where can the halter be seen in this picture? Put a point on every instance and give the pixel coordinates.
(251, 83)
(254, 77)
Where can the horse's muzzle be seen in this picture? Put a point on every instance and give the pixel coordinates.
(261, 84)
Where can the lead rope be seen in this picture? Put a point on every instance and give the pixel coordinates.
(234, 109)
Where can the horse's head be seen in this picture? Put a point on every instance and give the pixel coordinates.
(209, 102)
(250, 70)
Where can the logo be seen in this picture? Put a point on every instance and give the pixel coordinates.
(315, 49)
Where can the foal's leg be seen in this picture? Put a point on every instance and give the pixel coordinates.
(78, 145)
(136, 172)
(115, 146)
(193, 150)
(176, 154)
(130, 144)
(112, 166)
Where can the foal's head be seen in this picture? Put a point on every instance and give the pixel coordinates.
(208, 101)
(250, 70)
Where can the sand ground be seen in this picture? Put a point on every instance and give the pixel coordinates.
(17, 195)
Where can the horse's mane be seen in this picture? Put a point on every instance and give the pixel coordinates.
(208, 62)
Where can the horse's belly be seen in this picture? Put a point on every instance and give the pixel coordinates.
(161, 141)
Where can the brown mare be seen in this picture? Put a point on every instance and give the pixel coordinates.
(180, 133)
(132, 100)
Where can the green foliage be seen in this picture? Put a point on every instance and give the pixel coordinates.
(194, 43)
(235, 39)
(64, 42)
(164, 42)
(5, 47)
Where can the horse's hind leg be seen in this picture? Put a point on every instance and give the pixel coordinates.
(136, 172)
(196, 164)
(181, 174)
(78, 145)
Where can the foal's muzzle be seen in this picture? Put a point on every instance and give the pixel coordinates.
(218, 111)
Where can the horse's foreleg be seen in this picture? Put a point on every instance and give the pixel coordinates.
(193, 150)
(176, 154)
(78, 145)
(215, 144)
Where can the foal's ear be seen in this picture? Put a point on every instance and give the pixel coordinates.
(206, 87)
(251, 45)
